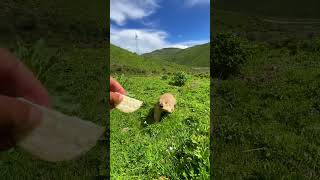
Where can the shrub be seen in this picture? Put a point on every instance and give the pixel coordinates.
(311, 45)
(179, 79)
(164, 77)
(229, 52)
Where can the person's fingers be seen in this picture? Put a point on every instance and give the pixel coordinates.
(116, 87)
(115, 99)
(17, 118)
(16, 80)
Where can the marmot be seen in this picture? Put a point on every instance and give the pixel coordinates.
(166, 104)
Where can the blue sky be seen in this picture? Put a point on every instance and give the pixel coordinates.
(159, 23)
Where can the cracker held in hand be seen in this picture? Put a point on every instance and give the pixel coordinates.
(60, 137)
(128, 104)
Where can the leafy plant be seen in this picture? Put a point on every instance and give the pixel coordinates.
(164, 77)
(179, 79)
(311, 45)
(228, 53)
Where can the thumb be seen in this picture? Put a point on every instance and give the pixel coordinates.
(16, 119)
(115, 99)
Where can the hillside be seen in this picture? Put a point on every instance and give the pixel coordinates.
(63, 22)
(62, 43)
(177, 147)
(77, 87)
(269, 29)
(196, 56)
(165, 53)
(284, 8)
(266, 118)
(123, 61)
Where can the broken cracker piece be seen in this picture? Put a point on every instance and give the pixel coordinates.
(128, 104)
(60, 137)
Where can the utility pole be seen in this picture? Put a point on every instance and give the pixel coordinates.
(136, 43)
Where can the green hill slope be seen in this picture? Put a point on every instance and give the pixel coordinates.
(197, 56)
(123, 61)
(177, 147)
(194, 56)
(60, 21)
(284, 8)
(271, 29)
(165, 53)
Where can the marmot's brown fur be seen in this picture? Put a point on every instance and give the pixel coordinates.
(166, 104)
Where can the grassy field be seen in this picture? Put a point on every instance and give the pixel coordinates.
(73, 71)
(72, 22)
(61, 42)
(175, 148)
(266, 117)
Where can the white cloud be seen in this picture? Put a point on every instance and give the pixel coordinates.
(122, 10)
(194, 42)
(196, 2)
(148, 40)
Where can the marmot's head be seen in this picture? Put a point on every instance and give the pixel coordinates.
(167, 102)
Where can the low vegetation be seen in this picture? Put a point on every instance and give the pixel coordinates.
(60, 42)
(178, 146)
(267, 116)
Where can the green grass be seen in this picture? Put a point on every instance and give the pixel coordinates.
(77, 87)
(70, 22)
(267, 118)
(71, 63)
(177, 147)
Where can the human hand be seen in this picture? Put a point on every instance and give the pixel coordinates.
(115, 88)
(17, 117)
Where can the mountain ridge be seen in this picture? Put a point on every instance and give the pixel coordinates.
(197, 56)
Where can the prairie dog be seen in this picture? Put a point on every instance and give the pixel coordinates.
(166, 104)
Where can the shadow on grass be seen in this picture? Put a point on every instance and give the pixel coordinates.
(148, 120)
